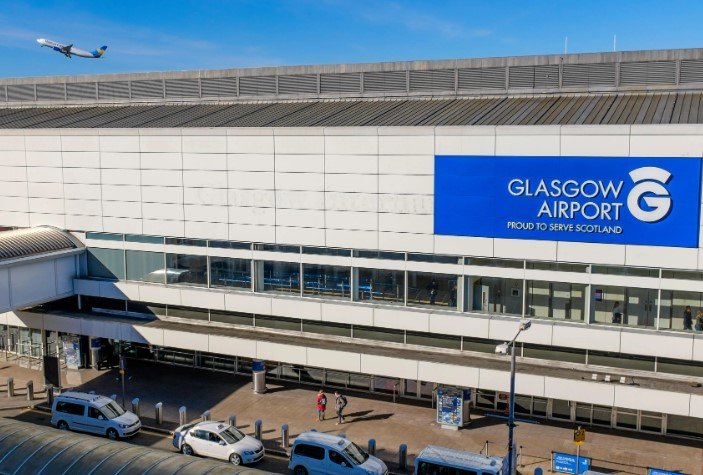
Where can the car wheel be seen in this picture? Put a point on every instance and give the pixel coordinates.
(235, 459)
(187, 450)
(300, 470)
(112, 434)
(62, 425)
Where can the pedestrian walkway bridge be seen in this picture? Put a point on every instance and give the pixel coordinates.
(37, 265)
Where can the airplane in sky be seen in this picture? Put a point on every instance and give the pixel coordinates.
(69, 50)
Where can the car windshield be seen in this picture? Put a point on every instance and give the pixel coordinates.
(356, 454)
(112, 410)
(232, 435)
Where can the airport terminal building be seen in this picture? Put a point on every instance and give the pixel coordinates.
(377, 227)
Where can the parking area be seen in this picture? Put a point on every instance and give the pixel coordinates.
(368, 416)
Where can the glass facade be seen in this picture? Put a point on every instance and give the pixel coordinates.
(627, 306)
(228, 272)
(146, 266)
(557, 300)
(432, 289)
(326, 281)
(279, 277)
(495, 295)
(381, 286)
(106, 263)
(186, 269)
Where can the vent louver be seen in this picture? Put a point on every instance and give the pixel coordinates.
(148, 89)
(20, 92)
(433, 80)
(51, 92)
(219, 87)
(80, 90)
(297, 84)
(691, 71)
(113, 90)
(386, 81)
(257, 86)
(482, 78)
(182, 88)
(651, 72)
(601, 74)
(340, 83)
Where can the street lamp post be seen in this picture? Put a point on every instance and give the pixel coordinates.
(503, 349)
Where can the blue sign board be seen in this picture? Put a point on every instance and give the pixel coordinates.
(615, 200)
(566, 463)
(450, 406)
(659, 471)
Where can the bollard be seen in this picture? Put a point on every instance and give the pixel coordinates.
(159, 413)
(135, 406)
(10, 387)
(403, 456)
(50, 394)
(257, 429)
(233, 421)
(30, 391)
(372, 447)
(205, 416)
(284, 436)
(182, 419)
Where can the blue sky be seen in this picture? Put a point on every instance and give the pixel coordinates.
(151, 35)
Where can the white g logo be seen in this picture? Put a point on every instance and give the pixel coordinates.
(650, 181)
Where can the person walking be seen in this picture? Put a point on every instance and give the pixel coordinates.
(321, 402)
(617, 313)
(699, 321)
(340, 402)
(688, 318)
(432, 290)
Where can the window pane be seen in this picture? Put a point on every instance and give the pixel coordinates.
(371, 333)
(561, 409)
(277, 248)
(539, 407)
(186, 242)
(278, 323)
(432, 289)
(561, 267)
(558, 300)
(435, 258)
(505, 263)
(619, 270)
(185, 312)
(227, 272)
(620, 360)
(281, 277)
(336, 329)
(232, 317)
(429, 339)
(229, 244)
(681, 310)
(104, 236)
(683, 425)
(327, 251)
(602, 415)
(626, 419)
(554, 353)
(106, 263)
(496, 295)
(381, 286)
(633, 307)
(326, 281)
(393, 256)
(144, 239)
(152, 309)
(145, 266)
(186, 269)
(687, 368)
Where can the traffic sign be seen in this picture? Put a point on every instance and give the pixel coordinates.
(579, 435)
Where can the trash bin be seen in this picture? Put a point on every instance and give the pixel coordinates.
(95, 344)
(258, 371)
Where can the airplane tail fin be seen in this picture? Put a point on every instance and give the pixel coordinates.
(99, 52)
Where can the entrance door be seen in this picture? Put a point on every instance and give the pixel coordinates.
(640, 307)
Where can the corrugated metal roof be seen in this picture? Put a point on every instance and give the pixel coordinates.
(30, 449)
(34, 241)
(640, 108)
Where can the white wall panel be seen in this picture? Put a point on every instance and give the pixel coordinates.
(339, 360)
(252, 232)
(204, 161)
(351, 220)
(43, 142)
(401, 319)
(698, 348)
(304, 218)
(187, 340)
(212, 214)
(406, 144)
(591, 253)
(207, 230)
(13, 188)
(652, 400)
(459, 325)
(595, 144)
(404, 184)
(352, 239)
(300, 181)
(261, 144)
(122, 209)
(696, 409)
(205, 196)
(525, 249)
(243, 302)
(410, 204)
(303, 144)
(13, 158)
(82, 207)
(93, 223)
(232, 346)
(80, 143)
(120, 193)
(405, 242)
(253, 162)
(581, 336)
(406, 223)
(386, 366)
(252, 215)
(163, 194)
(657, 256)
(162, 211)
(56, 220)
(279, 352)
(80, 175)
(119, 177)
(528, 141)
(351, 201)
(314, 200)
(309, 310)
(476, 140)
(202, 144)
(160, 294)
(10, 218)
(161, 178)
(667, 345)
(16, 203)
(159, 143)
(453, 375)
(4, 289)
(46, 205)
(161, 161)
(13, 173)
(44, 174)
(406, 164)
(351, 183)
(204, 179)
(122, 225)
(656, 141)
(159, 227)
(583, 391)
(353, 314)
(307, 236)
(81, 159)
(12, 142)
(251, 180)
(119, 143)
(540, 332)
(463, 246)
(300, 163)
(359, 164)
(351, 144)
(154, 336)
(32, 282)
(119, 160)
(203, 299)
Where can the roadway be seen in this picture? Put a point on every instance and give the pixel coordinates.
(145, 438)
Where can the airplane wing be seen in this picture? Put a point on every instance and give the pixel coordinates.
(67, 50)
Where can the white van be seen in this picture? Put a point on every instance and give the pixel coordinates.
(435, 460)
(93, 413)
(316, 453)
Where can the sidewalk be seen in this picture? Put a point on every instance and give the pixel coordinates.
(369, 416)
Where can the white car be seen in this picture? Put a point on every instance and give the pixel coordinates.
(93, 413)
(218, 440)
(317, 453)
